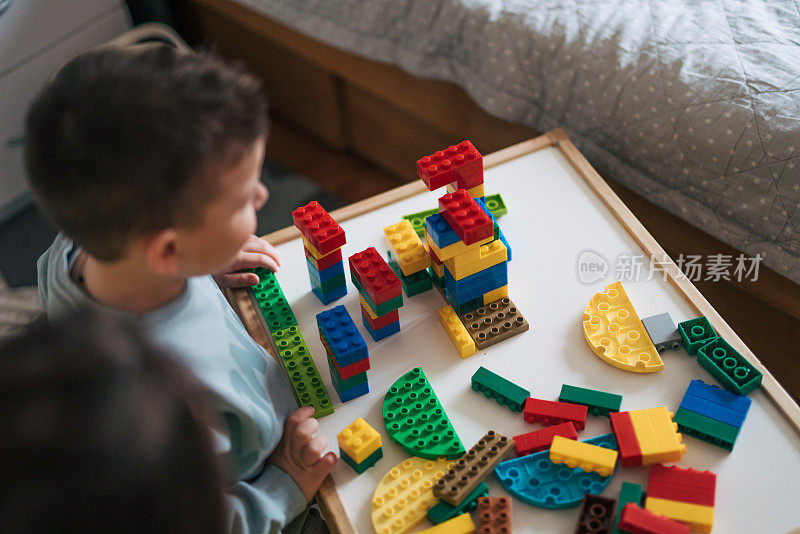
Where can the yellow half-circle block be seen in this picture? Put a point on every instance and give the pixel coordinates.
(405, 494)
(616, 334)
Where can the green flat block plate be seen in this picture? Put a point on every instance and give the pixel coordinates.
(296, 359)
(417, 220)
(443, 511)
(271, 301)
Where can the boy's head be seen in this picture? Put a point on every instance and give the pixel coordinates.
(151, 148)
(98, 436)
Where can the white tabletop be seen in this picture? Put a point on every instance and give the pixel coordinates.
(553, 217)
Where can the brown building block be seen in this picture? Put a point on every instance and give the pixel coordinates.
(494, 322)
(472, 468)
(597, 515)
(494, 515)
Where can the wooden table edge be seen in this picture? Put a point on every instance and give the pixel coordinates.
(328, 497)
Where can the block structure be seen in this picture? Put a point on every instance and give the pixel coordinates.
(684, 495)
(494, 515)
(712, 414)
(647, 436)
(637, 520)
(494, 322)
(322, 240)
(346, 349)
(359, 445)
(380, 290)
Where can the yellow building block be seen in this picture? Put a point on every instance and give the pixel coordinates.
(438, 268)
(460, 524)
(497, 294)
(370, 311)
(586, 456)
(697, 516)
(359, 440)
(614, 332)
(459, 247)
(657, 435)
(456, 331)
(483, 257)
(405, 494)
(475, 192)
(314, 252)
(408, 248)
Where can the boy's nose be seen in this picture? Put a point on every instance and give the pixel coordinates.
(262, 194)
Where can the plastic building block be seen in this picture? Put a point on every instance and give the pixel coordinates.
(536, 480)
(409, 250)
(487, 256)
(378, 309)
(368, 462)
(270, 300)
(552, 413)
(716, 403)
(378, 322)
(443, 511)
(590, 458)
(539, 440)
(494, 515)
(347, 371)
(444, 166)
(346, 395)
(381, 333)
(598, 402)
(358, 440)
(456, 331)
(729, 367)
(413, 284)
(463, 307)
(637, 520)
(684, 485)
(596, 516)
(345, 383)
(416, 421)
(472, 468)
(461, 524)
(465, 217)
(459, 247)
(326, 274)
(498, 233)
(440, 231)
(417, 220)
(302, 371)
(653, 439)
(706, 429)
(696, 333)
(474, 286)
(614, 332)
(318, 227)
(325, 261)
(479, 191)
(404, 494)
(496, 294)
(630, 453)
(662, 332)
(496, 387)
(328, 286)
(331, 296)
(697, 517)
(343, 338)
(375, 276)
(628, 493)
(496, 205)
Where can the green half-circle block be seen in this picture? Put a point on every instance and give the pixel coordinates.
(416, 421)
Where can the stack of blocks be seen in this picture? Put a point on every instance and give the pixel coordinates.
(408, 258)
(348, 359)
(646, 437)
(683, 495)
(712, 414)
(379, 291)
(323, 239)
(359, 445)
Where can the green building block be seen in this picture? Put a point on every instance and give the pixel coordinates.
(417, 220)
(328, 285)
(414, 284)
(695, 333)
(495, 204)
(380, 309)
(302, 371)
(345, 383)
(629, 493)
(438, 280)
(599, 402)
(415, 420)
(706, 429)
(443, 510)
(498, 388)
(368, 462)
(729, 367)
(271, 301)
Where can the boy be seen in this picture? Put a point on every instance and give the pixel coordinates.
(98, 436)
(149, 162)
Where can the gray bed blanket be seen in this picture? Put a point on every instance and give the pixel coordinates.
(693, 104)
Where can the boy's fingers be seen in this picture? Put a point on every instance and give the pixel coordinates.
(313, 451)
(296, 418)
(237, 280)
(305, 430)
(248, 260)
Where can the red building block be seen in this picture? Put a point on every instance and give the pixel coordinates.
(630, 453)
(539, 440)
(468, 220)
(461, 163)
(381, 321)
(348, 370)
(551, 413)
(318, 227)
(683, 485)
(325, 261)
(637, 520)
(374, 274)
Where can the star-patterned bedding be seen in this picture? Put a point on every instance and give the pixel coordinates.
(693, 104)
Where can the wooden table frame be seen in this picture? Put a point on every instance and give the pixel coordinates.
(328, 497)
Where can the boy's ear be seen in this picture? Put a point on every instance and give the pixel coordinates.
(161, 251)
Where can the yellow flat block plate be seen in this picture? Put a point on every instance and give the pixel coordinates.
(408, 248)
(698, 517)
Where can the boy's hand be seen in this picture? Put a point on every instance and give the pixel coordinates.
(299, 452)
(254, 253)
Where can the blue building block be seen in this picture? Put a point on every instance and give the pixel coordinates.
(536, 480)
(463, 307)
(329, 296)
(482, 203)
(383, 332)
(325, 274)
(351, 393)
(440, 231)
(716, 403)
(475, 285)
(342, 336)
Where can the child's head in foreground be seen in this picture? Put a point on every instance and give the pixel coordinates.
(150, 153)
(98, 437)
